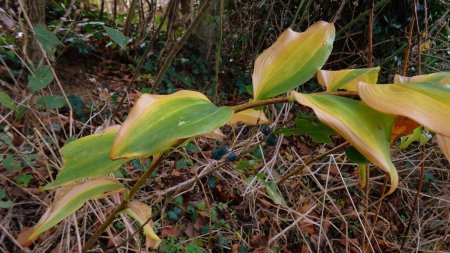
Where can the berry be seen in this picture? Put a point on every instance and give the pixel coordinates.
(223, 150)
(216, 154)
(271, 140)
(232, 157)
(265, 129)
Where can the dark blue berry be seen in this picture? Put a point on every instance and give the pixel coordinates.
(271, 140)
(232, 157)
(172, 215)
(223, 150)
(216, 154)
(177, 211)
(265, 129)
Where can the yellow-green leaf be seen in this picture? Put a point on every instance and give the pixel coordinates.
(142, 213)
(438, 77)
(366, 129)
(249, 117)
(426, 103)
(292, 60)
(87, 157)
(347, 79)
(275, 194)
(403, 125)
(70, 198)
(444, 144)
(156, 122)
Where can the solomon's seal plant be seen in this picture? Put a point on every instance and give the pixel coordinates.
(370, 116)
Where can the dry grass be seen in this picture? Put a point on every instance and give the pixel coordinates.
(325, 209)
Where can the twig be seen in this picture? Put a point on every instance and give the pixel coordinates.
(302, 18)
(11, 237)
(218, 57)
(310, 161)
(299, 7)
(369, 38)
(361, 16)
(419, 41)
(408, 48)
(380, 201)
(179, 44)
(177, 188)
(416, 201)
(127, 26)
(140, 64)
(339, 11)
(365, 246)
(293, 224)
(22, 6)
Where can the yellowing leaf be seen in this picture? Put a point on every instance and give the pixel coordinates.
(403, 125)
(216, 134)
(249, 117)
(156, 122)
(366, 129)
(292, 60)
(347, 79)
(438, 77)
(87, 157)
(425, 103)
(70, 198)
(444, 144)
(142, 213)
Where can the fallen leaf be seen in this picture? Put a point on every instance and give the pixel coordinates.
(170, 231)
(259, 240)
(24, 234)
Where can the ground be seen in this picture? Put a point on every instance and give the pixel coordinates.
(222, 205)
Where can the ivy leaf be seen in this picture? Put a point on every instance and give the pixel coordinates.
(117, 36)
(310, 126)
(355, 156)
(7, 101)
(51, 102)
(11, 164)
(40, 79)
(48, 40)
